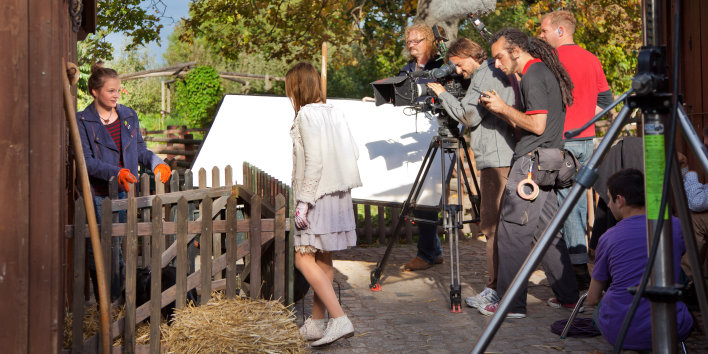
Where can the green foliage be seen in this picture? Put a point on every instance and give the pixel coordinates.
(83, 97)
(137, 19)
(198, 95)
(143, 95)
(610, 29)
(365, 39)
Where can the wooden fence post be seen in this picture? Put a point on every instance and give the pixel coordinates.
(181, 253)
(130, 276)
(382, 225)
(215, 182)
(255, 245)
(107, 241)
(205, 247)
(156, 276)
(77, 338)
(367, 223)
(231, 248)
(228, 176)
(145, 191)
(279, 249)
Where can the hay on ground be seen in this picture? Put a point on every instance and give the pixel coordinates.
(234, 325)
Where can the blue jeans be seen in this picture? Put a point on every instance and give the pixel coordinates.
(117, 264)
(574, 227)
(429, 246)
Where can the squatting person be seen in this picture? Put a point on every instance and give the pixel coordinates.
(620, 259)
(491, 140)
(324, 172)
(545, 90)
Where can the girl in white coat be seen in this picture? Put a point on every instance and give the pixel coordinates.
(324, 172)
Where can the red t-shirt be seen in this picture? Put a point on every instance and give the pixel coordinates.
(588, 79)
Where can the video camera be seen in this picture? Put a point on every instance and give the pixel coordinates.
(404, 90)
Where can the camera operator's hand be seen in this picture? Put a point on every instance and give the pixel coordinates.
(492, 101)
(436, 87)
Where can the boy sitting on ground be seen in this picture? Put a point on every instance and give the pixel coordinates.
(620, 259)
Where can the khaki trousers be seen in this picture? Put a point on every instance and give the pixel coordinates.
(492, 182)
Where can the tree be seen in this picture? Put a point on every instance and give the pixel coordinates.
(610, 29)
(365, 38)
(137, 19)
(198, 95)
(143, 95)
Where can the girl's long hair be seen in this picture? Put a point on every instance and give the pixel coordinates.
(302, 85)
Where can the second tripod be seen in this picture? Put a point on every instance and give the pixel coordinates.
(452, 220)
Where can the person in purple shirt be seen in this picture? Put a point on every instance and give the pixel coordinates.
(620, 259)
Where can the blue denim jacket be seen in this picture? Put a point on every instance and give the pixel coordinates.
(100, 152)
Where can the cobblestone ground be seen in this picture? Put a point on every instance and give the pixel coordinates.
(411, 314)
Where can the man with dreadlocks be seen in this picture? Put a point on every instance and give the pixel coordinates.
(546, 90)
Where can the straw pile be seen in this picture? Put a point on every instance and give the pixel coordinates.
(91, 325)
(233, 325)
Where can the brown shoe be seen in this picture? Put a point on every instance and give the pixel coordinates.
(416, 264)
(439, 260)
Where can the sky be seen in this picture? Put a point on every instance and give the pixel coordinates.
(174, 10)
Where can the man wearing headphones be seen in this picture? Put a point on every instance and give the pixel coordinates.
(591, 94)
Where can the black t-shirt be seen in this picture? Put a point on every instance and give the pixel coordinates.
(540, 93)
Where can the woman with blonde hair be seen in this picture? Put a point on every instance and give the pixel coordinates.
(324, 172)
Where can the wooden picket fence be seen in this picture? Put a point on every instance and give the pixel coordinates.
(164, 224)
(370, 229)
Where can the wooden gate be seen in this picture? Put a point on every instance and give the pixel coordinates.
(157, 230)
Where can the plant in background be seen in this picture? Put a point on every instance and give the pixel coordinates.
(198, 95)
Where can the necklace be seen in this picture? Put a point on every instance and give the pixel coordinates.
(107, 120)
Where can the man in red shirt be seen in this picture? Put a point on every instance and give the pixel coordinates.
(591, 94)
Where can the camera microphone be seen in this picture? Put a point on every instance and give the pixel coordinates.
(480, 27)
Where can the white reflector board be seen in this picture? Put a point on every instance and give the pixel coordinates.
(392, 145)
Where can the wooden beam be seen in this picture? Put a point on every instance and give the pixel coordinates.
(166, 71)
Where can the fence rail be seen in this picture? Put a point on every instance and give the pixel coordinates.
(158, 229)
(370, 229)
(180, 146)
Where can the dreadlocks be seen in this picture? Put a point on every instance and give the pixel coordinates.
(541, 50)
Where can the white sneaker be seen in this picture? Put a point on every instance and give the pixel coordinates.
(313, 329)
(337, 328)
(486, 297)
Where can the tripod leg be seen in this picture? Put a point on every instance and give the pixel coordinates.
(375, 276)
(691, 248)
(475, 202)
(694, 141)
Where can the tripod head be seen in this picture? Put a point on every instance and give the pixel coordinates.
(651, 74)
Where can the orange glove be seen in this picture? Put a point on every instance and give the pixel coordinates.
(164, 171)
(126, 178)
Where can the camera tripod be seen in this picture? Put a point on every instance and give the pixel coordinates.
(649, 87)
(449, 144)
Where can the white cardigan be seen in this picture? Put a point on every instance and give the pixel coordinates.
(324, 153)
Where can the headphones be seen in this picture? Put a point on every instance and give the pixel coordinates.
(559, 31)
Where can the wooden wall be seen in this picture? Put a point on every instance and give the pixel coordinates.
(35, 35)
(693, 77)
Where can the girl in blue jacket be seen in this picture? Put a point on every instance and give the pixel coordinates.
(113, 146)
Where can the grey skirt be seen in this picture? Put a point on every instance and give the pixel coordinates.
(332, 225)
